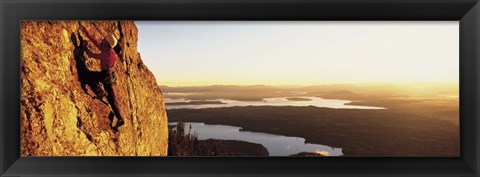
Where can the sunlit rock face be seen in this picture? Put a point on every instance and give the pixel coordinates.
(60, 113)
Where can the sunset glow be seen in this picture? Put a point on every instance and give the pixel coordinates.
(299, 53)
(324, 153)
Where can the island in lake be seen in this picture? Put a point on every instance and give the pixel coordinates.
(298, 99)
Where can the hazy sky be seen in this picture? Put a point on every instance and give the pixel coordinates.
(299, 53)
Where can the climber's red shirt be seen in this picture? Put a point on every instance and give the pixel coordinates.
(107, 57)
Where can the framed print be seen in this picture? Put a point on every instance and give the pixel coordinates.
(239, 88)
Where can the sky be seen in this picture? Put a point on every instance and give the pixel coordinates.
(193, 53)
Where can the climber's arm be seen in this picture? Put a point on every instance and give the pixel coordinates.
(91, 37)
(92, 55)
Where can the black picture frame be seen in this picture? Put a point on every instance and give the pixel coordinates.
(467, 12)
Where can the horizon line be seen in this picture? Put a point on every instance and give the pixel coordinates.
(323, 84)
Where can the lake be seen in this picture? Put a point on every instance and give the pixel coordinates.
(277, 145)
(277, 101)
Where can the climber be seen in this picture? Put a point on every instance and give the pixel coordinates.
(107, 59)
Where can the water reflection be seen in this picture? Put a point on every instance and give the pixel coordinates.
(277, 145)
(278, 101)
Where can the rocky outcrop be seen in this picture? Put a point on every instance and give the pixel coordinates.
(60, 112)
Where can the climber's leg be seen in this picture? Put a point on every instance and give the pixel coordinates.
(112, 99)
(95, 78)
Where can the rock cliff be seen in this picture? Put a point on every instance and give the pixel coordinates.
(60, 113)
